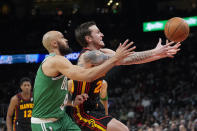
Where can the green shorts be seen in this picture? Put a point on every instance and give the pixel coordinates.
(63, 124)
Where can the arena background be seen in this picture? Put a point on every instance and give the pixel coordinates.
(161, 93)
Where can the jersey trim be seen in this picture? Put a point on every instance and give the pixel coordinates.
(83, 87)
(35, 120)
(89, 120)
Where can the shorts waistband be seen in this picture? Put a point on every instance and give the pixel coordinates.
(42, 120)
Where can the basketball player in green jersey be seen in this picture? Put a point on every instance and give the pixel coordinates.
(50, 87)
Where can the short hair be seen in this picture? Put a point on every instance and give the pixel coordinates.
(82, 31)
(22, 80)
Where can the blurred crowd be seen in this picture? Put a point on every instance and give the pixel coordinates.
(157, 96)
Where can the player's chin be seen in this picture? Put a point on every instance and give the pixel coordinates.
(102, 44)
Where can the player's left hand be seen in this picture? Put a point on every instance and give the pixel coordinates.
(80, 99)
(167, 50)
(172, 50)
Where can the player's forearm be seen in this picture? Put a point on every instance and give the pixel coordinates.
(106, 106)
(96, 72)
(69, 103)
(139, 57)
(9, 124)
(150, 59)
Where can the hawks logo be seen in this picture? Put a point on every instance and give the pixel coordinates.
(91, 122)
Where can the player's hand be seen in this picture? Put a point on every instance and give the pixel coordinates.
(124, 50)
(79, 99)
(167, 50)
(173, 49)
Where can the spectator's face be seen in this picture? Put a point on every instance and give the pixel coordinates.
(173, 126)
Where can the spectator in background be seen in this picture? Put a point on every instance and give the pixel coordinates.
(182, 126)
(146, 103)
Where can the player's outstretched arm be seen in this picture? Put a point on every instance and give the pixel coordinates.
(169, 53)
(161, 51)
(74, 72)
(97, 57)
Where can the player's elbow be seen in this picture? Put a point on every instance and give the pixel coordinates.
(93, 76)
(89, 75)
(90, 78)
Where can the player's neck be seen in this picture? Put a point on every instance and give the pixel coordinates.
(55, 52)
(92, 47)
(26, 95)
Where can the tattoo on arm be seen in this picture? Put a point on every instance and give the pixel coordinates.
(80, 64)
(138, 57)
(95, 57)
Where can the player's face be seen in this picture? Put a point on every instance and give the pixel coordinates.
(63, 45)
(97, 36)
(26, 86)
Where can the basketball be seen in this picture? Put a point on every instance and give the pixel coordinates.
(176, 29)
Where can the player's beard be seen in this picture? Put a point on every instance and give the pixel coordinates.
(64, 50)
(99, 45)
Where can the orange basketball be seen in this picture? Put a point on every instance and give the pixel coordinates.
(176, 29)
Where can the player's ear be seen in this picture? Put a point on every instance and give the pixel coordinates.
(54, 44)
(88, 38)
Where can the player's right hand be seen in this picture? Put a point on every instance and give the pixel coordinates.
(124, 50)
(79, 99)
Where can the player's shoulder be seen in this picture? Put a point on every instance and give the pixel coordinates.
(91, 53)
(107, 50)
(85, 52)
(14, 99)
(57, 57)
(88, 55)
(56, 60)
(81, 57)
(104, 82)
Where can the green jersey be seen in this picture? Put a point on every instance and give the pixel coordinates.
(50, 95)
